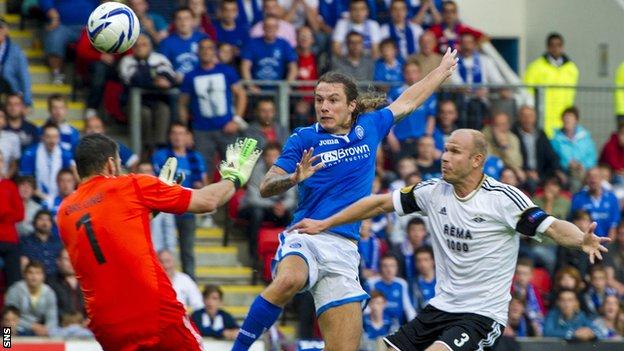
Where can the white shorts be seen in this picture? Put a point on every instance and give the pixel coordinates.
(333, 261)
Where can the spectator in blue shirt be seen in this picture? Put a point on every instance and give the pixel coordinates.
(44, 160)
(191, 164)
(420, 122)
(152, 24)
(210, 91)
(42, 245)
(518, 323)
(15, 111)
(388, 68)
(369, 248)
(423, 286)
(493, 167)
(229, 29)
(269, 57)
(567, 321)
(574, 145)
(416, 233)
(180, 47)
(377, 324)
(395, 290)
(212, 321)
(129, 160)
(66, 18)
(249, 12)
(598, 291)
(602, 204)
(14, 69)
(57, 107)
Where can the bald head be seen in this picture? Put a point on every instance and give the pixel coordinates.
(473, 139)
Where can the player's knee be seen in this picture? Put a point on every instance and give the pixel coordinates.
(289, 283)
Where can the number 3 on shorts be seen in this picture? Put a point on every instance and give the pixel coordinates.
(462, 341)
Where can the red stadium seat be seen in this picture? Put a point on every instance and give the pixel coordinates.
(268, 241)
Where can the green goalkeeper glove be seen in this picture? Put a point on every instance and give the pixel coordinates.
(240, 159)
(168, 172)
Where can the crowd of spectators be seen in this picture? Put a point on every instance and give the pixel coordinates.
(206, 52)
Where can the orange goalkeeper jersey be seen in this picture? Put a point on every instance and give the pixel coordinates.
(105, 227)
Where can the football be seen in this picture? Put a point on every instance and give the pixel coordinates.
(113, 27)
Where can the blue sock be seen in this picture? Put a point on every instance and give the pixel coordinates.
(262, 315)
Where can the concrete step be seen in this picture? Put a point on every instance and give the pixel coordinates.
(223, 275)
(238, 312)
(39, 73)
(221, 256)
(209, 236)
(75, 110)
(24, 38)
(241, 295)
(35, 56)
(43, 90)
(76, 123)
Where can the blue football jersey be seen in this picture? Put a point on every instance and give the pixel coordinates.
(349, 167)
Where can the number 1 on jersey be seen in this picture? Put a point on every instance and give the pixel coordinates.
(95, 246)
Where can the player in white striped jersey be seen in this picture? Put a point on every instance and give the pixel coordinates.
(474, 220)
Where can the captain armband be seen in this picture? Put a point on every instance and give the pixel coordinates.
(534, 220)
(404, 201)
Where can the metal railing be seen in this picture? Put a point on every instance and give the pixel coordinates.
(595, 102)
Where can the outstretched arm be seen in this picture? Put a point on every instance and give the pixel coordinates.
(416, 94)
(277, 181)
(568, 234)
(367, 207)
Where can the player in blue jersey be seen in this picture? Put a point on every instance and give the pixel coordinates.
(333, 164)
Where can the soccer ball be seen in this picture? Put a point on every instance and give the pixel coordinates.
(113, 27)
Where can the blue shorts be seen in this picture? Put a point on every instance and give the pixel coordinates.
(56, 41)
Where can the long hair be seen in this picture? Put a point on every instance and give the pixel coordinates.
(365, 102)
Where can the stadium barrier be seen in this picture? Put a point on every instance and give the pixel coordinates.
(554, 344)
(595, 102)
(45, 344)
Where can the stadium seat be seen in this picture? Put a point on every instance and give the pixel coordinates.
(268, 241)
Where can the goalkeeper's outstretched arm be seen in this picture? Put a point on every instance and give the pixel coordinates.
(367, 207)
(208, 198)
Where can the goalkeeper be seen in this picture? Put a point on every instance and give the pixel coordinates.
(105, 227)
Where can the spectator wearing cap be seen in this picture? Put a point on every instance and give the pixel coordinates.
(11, 212)
(554, 68)
(14, 68)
